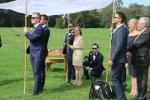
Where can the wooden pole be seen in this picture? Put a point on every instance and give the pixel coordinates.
(68, 17)
(114, 11)
(66, 59)
(25, 47)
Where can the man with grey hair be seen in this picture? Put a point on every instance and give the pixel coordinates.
(141, 56)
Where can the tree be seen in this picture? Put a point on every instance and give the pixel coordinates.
(86, 19)
(134, 11)
(59, 23)
(3, 1)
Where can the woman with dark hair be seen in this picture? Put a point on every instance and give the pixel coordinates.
(77, 55)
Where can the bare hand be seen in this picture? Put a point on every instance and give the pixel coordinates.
(111, 29)
(90, 69)
(110, 63)
(126, 65)
(71, 46)
(25, 29)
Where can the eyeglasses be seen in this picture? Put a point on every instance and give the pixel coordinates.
(34, 17)
(70, 26)
(115, 17)
(94, 48)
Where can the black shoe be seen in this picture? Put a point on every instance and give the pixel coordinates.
(91, 97)
(69, 81)
(87, 78)
(124, 86)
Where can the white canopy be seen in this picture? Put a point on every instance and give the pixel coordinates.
(55, 7)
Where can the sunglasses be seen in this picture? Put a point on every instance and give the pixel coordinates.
(34, 17)
(70, 26)
(94, 48)
(115, 17)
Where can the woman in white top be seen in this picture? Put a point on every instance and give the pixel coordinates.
(77, 54)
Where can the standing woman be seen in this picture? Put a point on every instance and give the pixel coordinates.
(77, 55)
(131, 37)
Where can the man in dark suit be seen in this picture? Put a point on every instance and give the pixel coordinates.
(37, 50)
(118, 57)
(95, 67)
(69, 39)
(141, 56)
(95, 62)
(44, 23)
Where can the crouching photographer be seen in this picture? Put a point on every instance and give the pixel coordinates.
(93, 66)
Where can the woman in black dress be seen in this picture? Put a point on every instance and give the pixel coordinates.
(131, 37)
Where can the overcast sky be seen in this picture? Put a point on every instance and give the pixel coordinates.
(126, 3)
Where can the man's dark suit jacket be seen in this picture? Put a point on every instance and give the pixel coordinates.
(37, 44)
(46, 38)
(140, 49)
(119, 45)
(69, 39)
(96, 64)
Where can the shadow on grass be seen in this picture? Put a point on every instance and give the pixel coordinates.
(57, 70)
(9, 81)
(66, 87)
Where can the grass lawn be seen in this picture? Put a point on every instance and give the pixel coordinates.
(12, 67)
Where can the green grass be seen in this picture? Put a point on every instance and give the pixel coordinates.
(12, 66)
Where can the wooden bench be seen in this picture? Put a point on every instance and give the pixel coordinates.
(55, 57)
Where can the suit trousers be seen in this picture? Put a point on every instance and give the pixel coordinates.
(142, 77)
(38, 67)
(116, 77)
(70, 70)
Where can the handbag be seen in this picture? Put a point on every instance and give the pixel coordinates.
(104, 90)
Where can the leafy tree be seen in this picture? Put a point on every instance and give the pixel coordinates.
(86, 19)
(3, 1)
(59, 23)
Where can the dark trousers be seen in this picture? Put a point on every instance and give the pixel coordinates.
(124, 77)
(43, 75)
(116, 77)
(71, 70)
(142, 77)
(38, 67)
(86, 73)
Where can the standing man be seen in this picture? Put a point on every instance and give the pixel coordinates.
(118, 57)
(69, 39)
(141, 56)
(37, 51)
(44, 23)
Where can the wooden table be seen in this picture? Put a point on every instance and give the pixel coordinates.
(55, 57)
